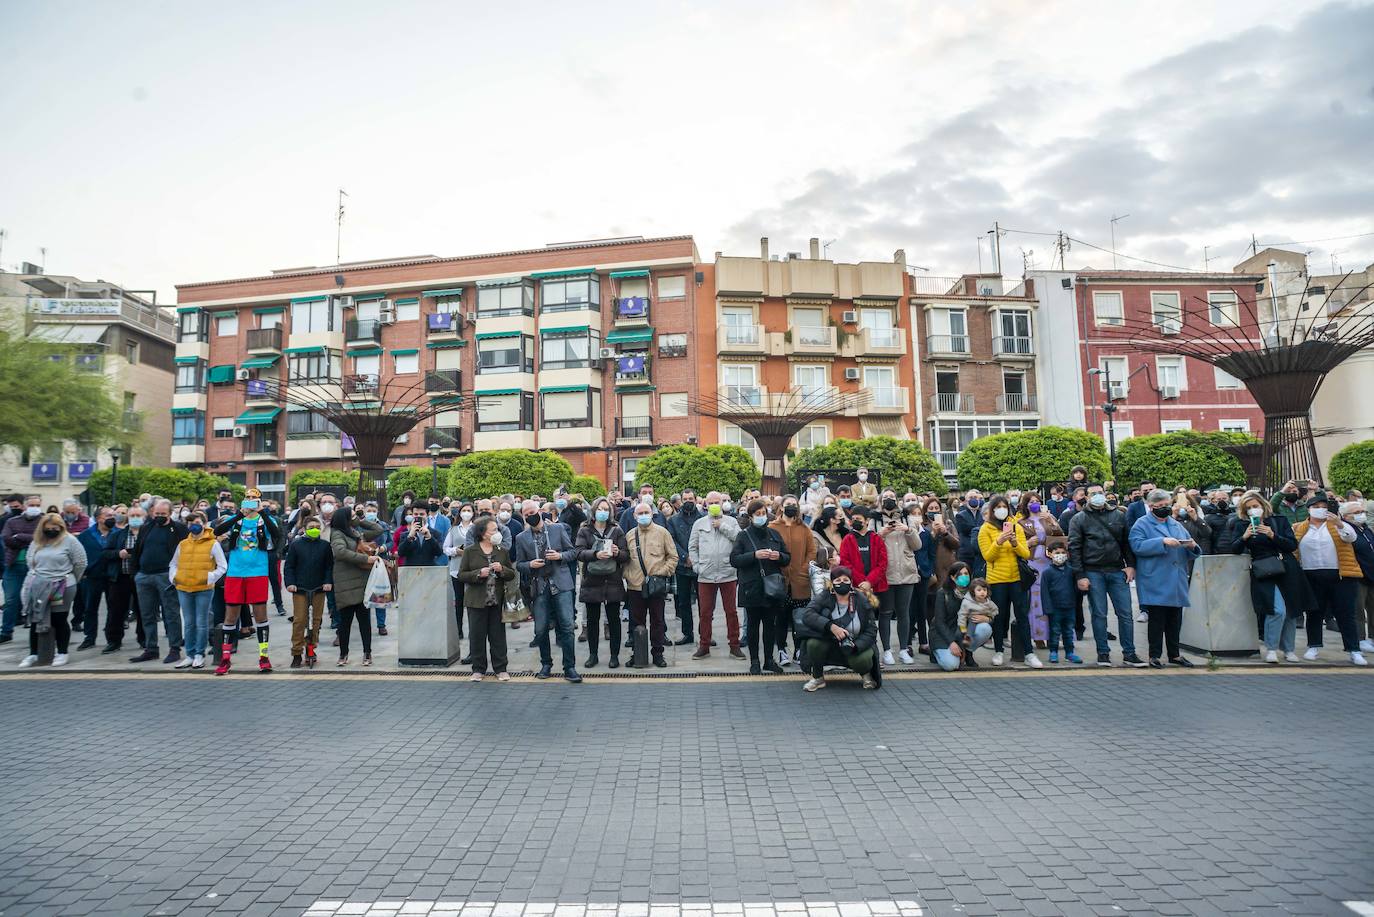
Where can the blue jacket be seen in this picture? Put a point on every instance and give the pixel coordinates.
(559, 574)
(1135, 510)
(102, 553)
(1161, 573)
(1364, 552)
(1058, 591)
(680, 527)
(925, 555)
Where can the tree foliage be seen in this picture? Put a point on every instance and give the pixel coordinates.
(1186, 457)
(1027, 458)
(1353, 469)
(499, 471)
(588, 486)
(44, 399)
(332, 476)
(902, 464)
(175, 484)
(416, 478)
(719, 467)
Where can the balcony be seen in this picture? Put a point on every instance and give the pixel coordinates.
(632, 369)
(362, 332)
(947, 345)
(949, 461)
(448, 439)
(743, 396)
(634, 430)
(444, 380)
(881, 342)
(1016, 403)
(632, 310)
(264, 339)
(261, 392)
(131, 422)
(889, 400)
(1013, 348)
(442, 326)
(811, 339)
(951, 403)
(361, 387)
(740, 339)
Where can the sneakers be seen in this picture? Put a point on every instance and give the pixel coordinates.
(198, 661)
(1134, 661)
(1075, 658)
(1290, 657)
(1156, 664)
(783, 658)
(701, 653)
(1367, 646)
(185, 663)
(61, 659)
(813, 684)
(906, 657)
(1054, 657)
(870, 683)
(887, 658)
(223, 667)
(736, 653)
(1033, 661)
(1142, 617)
(996, 658)
(172, 656)
(1356, 658)
(28, 662)
(1104, 660)
(297, 662)
(1271, 657)
(1312, 653)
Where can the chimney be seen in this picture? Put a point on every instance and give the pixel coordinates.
(899, 256)
(763, 246)
(815, 249)
(717, 256)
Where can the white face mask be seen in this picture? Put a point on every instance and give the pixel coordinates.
(495, 539)
(465, 515)
(504, 515)
(327, 507)
(1359, 518)
(1254, 512)
(1317, 512)
(1059, 559)
(863, 477)
(33, 512)
(1000, 512)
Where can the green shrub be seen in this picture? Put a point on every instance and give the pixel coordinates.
(499, 471)
(719, 467)
(588, 486)
(419, 478)
(330, 476)
(902, 464)
(1186, 457)
(173, 483)
(1027, 458)
(1353, 469)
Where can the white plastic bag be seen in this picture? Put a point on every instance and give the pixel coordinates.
(378, 593)
(820, 579)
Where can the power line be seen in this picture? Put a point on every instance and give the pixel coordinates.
(1358, 235)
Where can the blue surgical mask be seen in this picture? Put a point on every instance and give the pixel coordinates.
(603, 515)
(560, 503)
(1097, 500)
(644, 520)
(846, 502)
(962, 580)
(248, 505)
(196, 528)
(760, 521)
(135, 522)
(370, 517)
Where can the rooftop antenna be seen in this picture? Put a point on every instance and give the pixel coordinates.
(1206, 262)
(338, 230)
(825, 249)
(43, 259)
(978, 240)
(1115, 220)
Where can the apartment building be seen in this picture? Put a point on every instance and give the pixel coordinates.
(572, 347)
(781, 328)
(104, 330)
(977, 374)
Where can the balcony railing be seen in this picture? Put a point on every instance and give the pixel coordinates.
(733, 338)
(131, 422)
(261, 390)
(955, 344)
(632, 309)
(887, 400)
(743, 396)
(949, 461)
(264, 338)
(1016, 403)
(883, 339)
(1013, 347)
(443, 437)
(632, 369)
(362, 331)
(813, 339)
(366, 384)
(636, 429)
(443, 323)
(951, 403)
(443, 380)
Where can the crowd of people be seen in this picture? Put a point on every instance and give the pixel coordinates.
(850, 575)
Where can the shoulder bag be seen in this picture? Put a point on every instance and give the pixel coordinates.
(1267, 568)
(602, 566)
(655, 587)
(774, 584)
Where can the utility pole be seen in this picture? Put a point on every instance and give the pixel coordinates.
(1254, 245)
(1206, 262)
(997, 246)
(1115, 220)
(978, 241)
(338, 231)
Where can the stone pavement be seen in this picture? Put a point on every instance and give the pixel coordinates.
(1188, 793)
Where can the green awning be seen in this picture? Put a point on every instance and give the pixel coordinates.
(305, 299)
(444, 345)
(268, 310)
(369, 297)
(181, 309)
(224, 373)
(366, 352)
(500, 282)
(445, 399)
(636, 336)
(497, 391)
(405, 352)
(552, 389)
(183, 412)
(498, 334)
(456, 291)
(637, 387)
(570, 329)
(225, 313)
(304, 350)
(258, 415)
(407, 302)
(186, 361)
(575, 272)
(622, 274)
(260, 362)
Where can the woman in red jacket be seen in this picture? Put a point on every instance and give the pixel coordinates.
(863, 552)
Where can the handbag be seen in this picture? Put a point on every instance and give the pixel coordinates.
(1028, 573)
(602, 566)
(655, 587)
(774, 584)
(1267, 568)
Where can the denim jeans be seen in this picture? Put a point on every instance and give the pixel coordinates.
(978, 635)
(1280, 629)
(555, 611)
(14, 582)
(1104, 584)
(157, 597)
(195, 619)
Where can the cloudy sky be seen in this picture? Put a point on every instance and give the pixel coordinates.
(154, 143)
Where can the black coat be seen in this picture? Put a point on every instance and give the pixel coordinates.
(966, 524)
(944, 626)
(1099, 540)
(601, 588)
(814, 620)
(751, 569)
(1297, 594)
(309, 564)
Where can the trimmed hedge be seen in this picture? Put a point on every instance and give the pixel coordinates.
(498, 471)
(1186, 457)
(588, 486)
(1027, 458)
(173, 483)
(419, 478)
(1353, 469)
(902, 464)
(330, 476)
(718, 467)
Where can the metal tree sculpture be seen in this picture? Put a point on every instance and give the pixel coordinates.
(1251, 455)
(1283, 368)
(368, 412)
(773, 418)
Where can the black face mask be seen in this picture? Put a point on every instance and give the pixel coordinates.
(889, 505)
(52, 533)
(533, 520)
(842, 588)
(1222, 505)
(1161, 511)
(689, 507)
(791, 511)
(1290, 497)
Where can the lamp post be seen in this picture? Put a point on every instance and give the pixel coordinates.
(114, 476)
(1108, 408)
(434, 449)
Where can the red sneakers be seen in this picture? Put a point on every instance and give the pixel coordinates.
(264, 664)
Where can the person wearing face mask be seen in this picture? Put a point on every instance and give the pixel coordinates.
(353, 542)
(253, 539)
(967, 521)
(157, 597)
(627, 518)
(954, 635)
(651, 554)
(543, 555)
(830, 528)
(56, 563)
(840, 628)
(1288, 502)
(1188, 511)
(486, 573)
(864, 553)
(102, 542)
(1058, 501)
(197, 564)
(1039, 524)
(1216, 512)
(760, 552)
(844, 495)
(1356, 516)
(1279, 592)
(709, 546)
(17, 535)
(400, 512)
(124, 591)
(863, 492)
(1104, 566)
(1326, 552)
(1059, 595)
(75, 517)
(308, 572)
(603, 552)
(685, 579)
(803, 551)
(461, 535)
(1163, 549)
(572, 513)
(813, 497)
(1003, 543)
(902, 539)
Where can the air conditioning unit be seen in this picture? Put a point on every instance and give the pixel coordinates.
(1170, 326)
(606, 353)
(472, 318)
(240, 432)
(344, 302)
(851, 374)
(1168, 391)
(1116, 391)
(243, 375)
(850, 318)
(386, 317)
(1066, 283)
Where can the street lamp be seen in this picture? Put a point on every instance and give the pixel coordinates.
(114, 476)
(434, 450)
(1108, 408)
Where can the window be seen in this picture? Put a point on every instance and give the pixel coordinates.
(496, 413)
(947, 381)
(627, 472)
(672, 287)
(131, 351)
(269, 319)
(567, 294)
(1121, 429)
(129, 399)
(406, 363)
(633, 287)
(226, 326)
(672, 345)
(809, 328)
(1165, 311)
(262, 438)
(192, 326)
(1107, 309)
(949, 330)
(188, 429)
(568, 350)
(1116, 369)
(370, 365)
(317, 316)
(270, 482)
(734, 436)
(312, 368)
(672, 404)
(1234, 426)
(1170, 375)
(1225, 380)
(408, 310)
(224, 427)
(368, 310)
(812, 435)
(811, 381)
(89, 362)
(1223, 308)
(739, 325)
(190, 377)
(881, 384)
(880, 324)
(1014, 332)
(1013, 383)
(510, 299)
(566, 410)
(511, 354)
(1175, 426)
(740, 381)
(308, 423)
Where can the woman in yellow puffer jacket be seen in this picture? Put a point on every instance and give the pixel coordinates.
(1003, 542)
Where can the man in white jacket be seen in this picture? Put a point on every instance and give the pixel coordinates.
(708, 547)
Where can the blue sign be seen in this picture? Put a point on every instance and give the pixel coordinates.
(256, 387)
(346, 442)
(632, 307)
(630, 366)
(80, 471)
(44, 471)
(441, 321)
